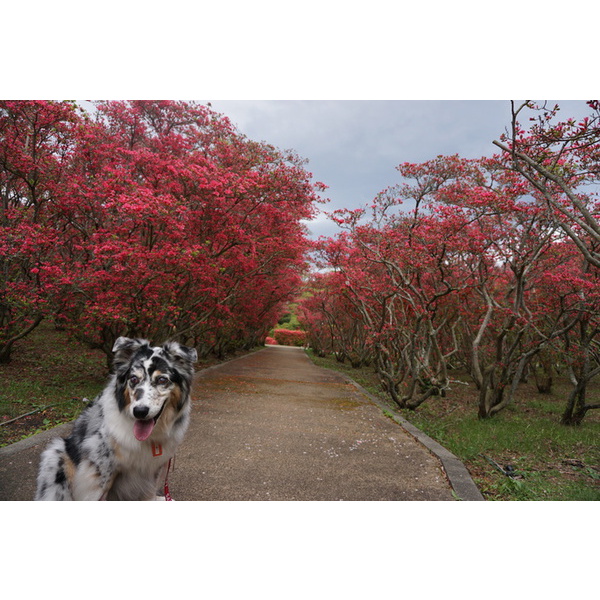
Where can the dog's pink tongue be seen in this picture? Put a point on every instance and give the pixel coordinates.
(142, 429)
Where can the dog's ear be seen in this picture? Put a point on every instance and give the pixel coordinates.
(180, 352)
(124, 348)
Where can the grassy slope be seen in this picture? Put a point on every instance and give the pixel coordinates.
(552, 462)
(47, 370)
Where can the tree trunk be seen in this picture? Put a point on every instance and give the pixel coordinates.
(543, 380)
(576, 408)
(574, 411)
(6, 348)
(491, 394)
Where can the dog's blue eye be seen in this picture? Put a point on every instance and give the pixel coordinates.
(134, 380)
(162, 380)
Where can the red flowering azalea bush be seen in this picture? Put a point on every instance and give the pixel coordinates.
(290, 337)
(147, 219)
(487, 266)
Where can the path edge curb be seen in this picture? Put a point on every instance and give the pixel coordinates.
(459, 477)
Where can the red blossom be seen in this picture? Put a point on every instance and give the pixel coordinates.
(152, 219)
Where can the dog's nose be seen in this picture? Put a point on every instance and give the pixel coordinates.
(140, 412)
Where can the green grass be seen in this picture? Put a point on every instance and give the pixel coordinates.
(551, 461)
(542, 452)
(288, 320)
(49, 376)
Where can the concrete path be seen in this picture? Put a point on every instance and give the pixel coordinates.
(272, 426)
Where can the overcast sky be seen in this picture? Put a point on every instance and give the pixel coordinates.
(354, 146)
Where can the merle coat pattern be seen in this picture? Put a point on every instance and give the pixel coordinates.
(121, 444)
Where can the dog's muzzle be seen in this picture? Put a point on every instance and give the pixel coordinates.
(142, 428)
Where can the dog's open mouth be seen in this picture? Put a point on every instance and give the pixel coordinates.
(142, 428)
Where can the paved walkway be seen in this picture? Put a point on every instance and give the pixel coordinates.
(272, 426)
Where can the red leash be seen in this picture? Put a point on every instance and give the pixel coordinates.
(166, 488)
(157, 451)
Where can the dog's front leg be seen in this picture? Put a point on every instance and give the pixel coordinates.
(88, 484)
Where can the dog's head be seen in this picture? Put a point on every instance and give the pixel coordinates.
(149, 379)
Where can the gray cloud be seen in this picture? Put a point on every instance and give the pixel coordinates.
(354, 146)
